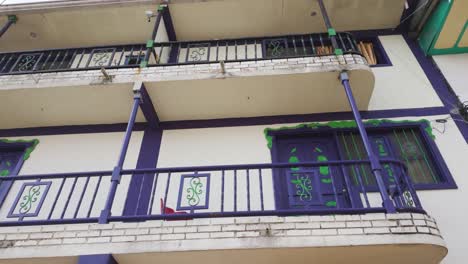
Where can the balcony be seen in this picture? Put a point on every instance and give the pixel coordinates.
(211, 79)
(195, 196)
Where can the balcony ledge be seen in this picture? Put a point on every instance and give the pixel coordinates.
(369, 238)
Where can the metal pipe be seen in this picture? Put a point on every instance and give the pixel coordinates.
(328, 24)
(150, 43)
(11, 20)
(116, 174)
(374, 161)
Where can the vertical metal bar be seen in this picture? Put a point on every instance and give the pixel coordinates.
(155, 32)
(375, 163)
(328, 24)
(303, 45)
(81, 197)
(11, 20)
(158, 61)
(222, 190)
(112, 57)
(55, 59)
(260, 176)
(335, 193)
(246, 44)
(69, 197)
(168, 182)
(312, 44)
(235, 52)
(345, 173)
(59, 192)
(235, 190)
(94, 196)
(81, 58)
(153, 193)
(178, 53)
(248, 190)
(255, 47)
(116, 174)
(72, 59)
(217, 50)
(64, 57)
(122, 53)
(294, 45)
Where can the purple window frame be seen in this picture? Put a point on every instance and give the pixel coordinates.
(447, 181)
(15, 146)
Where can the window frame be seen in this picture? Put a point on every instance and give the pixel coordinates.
(12, 146)
(447, 181)
(379, 50)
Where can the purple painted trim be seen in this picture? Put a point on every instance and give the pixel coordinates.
(438, 81)
(19, 197)
(139, 191)
(168, 23)
(97, 259)
(207, 192)
(147, 107)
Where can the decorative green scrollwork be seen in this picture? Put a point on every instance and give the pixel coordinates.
(194, 191)
(276, 48)
(304, 187)
(29, 199)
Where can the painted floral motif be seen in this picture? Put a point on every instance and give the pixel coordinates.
(194, 191)
(303, 187)
(198, 53)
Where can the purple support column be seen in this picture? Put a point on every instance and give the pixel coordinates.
(150, 43)
(330, 29)
(374, 160)
(115, 180)
(97, 259)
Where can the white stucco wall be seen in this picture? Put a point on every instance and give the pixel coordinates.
(454, 67)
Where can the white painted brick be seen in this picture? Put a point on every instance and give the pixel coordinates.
(247, 220)
(16, 237)
(233, 228)
(53, 228)
(282, 226)
(172, 236)
(294, 219)
(197, 235)
(29, 229)
(259, 227)
(248, 234)
(399, 230)
(418, 222)
(147, 224)
(380, 216)
(359, 224)
(77, 227)
(9, 230)
(40, 235)
(123, 238)
(377, 230)
(431, 224)
(164, 230)
(324, 232)
(222, 234)
(112, 232)
(351, 231)
(64, 234)
(148, 238)
(24, 243)
(50, 242)
(384, 223)
(406, 223)
(322, 218)
(125, 225)
(99, 239)
(271, 219)
(333, 225)
(423, 229)
(434, 231)
(298, 232)
(174, 223)
(209, 228)
(94, 233)
(310, 225)
(347, 217)
(222, 221)
(199, 221)
(74, 240)
(418, 216)
(136, 231)
(183, 229)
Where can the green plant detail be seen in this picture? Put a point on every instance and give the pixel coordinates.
(8, 163)
(331, 203)
(4, 173)
(194, 191)
(27, 152)
(388, 169)
(346, 124)
(29, 199)
(327, 181)
(303, 186)
(324, 170)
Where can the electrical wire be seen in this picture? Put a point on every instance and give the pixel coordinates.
(414, 12)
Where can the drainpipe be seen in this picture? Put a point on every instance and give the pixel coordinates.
(374, 160)
(150, 43)
(12, 19)
(116, 173)
(331, 31)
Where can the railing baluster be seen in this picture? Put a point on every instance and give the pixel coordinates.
(139, 55)
(57, 55)
(81, 58)
(47, 60)
(70, 63)
(333, 182)
(72, 189)
(8, 62)
(260, 178)
(246, 52)
(294, 45)
(165, 193)
(303, 46)
(112, 57)
(255, 48)
(59, 192)
(122, 53)
(235, 190)
(178, 53)
(64, 58)
(158, 61)
(94, 196)
(342, 42)
(217, 50)
(153, 193)
(248, 190)
(222, 190)
(81, 197)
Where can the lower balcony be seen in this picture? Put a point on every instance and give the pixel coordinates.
(270, 213)
(235, 78)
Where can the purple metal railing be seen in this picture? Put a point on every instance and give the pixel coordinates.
(209, 191)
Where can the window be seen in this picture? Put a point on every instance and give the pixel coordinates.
(409, 143)
(371, 48)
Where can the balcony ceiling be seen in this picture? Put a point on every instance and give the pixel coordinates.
(81, 23)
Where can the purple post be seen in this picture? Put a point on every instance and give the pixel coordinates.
(331, 31)
(374, 161)
(116, 173)
(150, 44)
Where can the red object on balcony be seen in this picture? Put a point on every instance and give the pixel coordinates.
(168, 210)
